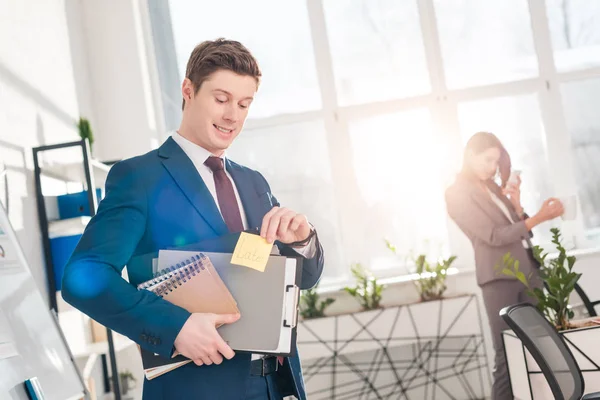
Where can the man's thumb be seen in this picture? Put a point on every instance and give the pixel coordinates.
(221, 319)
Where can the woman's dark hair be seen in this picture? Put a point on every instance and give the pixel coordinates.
(480, 142)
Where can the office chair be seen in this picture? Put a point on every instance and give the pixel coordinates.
(549, 350)
(590, 306)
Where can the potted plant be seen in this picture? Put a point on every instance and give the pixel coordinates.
(127, 381)
(431, 281)
(367, 291)
(85, 131)
(311, 306)
(558, 277)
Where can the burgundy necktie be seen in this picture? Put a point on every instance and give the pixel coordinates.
(225, 195)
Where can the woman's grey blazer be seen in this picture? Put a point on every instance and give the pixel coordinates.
(490, 231)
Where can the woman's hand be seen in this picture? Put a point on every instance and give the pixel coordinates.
(551, 209)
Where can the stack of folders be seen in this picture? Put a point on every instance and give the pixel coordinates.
(194, 285)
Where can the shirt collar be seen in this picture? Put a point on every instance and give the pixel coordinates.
(194, 151)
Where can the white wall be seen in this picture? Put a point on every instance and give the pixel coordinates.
(114, 75)
(38, 105)
(57, 58)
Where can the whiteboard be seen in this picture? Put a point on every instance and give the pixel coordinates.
(31, 344)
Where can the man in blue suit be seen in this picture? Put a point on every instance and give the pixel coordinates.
(185, 192)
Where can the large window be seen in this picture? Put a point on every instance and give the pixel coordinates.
(376, 49)
(575, 32)
(397, 160)
(583, 122)
(485, 41)
(366, 104)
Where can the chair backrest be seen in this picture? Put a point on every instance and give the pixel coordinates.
(548, 349)
(586, 301)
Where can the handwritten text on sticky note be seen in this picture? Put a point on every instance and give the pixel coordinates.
(251, 251)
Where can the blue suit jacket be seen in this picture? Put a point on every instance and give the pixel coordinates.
(158, 201)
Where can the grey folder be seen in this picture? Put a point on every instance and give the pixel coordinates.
(268, 301)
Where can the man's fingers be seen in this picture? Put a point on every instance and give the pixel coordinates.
(274, 224)
(298, 220)
(284, 222)
(224, 349)
(198, 361)
(206, 360)
(265, 221)
(216, 357)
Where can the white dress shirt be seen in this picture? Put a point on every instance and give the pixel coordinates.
(503, 208)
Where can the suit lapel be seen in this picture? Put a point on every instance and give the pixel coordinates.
(189, 181)
(485, 201)
(248, 194)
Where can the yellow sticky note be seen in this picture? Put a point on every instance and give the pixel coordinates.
(251, 251)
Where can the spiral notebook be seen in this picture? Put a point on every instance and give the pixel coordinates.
(194, 285)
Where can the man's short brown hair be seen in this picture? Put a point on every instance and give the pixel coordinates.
(213, 55)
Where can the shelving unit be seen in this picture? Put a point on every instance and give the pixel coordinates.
(71, 172)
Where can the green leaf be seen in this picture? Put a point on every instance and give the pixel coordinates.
(508, 272)
(521, 277)
(539, 293)
(390, 246)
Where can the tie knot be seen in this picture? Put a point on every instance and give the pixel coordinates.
(214, 163)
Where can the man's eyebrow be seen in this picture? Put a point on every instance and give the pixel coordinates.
(229, 94)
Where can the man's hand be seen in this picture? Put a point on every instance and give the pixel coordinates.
(284, 225)
(199, 340)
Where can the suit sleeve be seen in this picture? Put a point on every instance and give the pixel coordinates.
(472, 220)
(312, 267)
(92, 279)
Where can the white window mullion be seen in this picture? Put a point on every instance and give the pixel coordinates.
(283, 119)
(496, 90)
(445, 119)
(346, 192)
(558, 142)
(369, 110)
(433, 51)
(590, 73)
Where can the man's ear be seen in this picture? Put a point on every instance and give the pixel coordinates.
(187, 89)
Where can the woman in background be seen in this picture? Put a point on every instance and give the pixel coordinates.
(493, 219)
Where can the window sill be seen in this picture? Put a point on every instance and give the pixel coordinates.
(389, 277)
